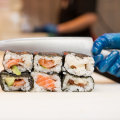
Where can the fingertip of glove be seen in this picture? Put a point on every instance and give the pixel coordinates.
(95, 51)
(113, 55)
(101, 67)
(115, 51)
(98, 58)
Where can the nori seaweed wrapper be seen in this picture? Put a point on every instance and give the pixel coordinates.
(30, 80)
(76, 54)
(52, 54)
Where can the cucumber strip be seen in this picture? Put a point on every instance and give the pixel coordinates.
(9, 80)
(43, 66)
(16, 70)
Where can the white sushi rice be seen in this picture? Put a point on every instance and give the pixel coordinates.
(83, 66)
(27, 58)
(25, 87)
(83, 80)
(38, 88)
(57, 62)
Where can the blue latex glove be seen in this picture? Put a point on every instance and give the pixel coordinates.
(111, 63)
(49, 28)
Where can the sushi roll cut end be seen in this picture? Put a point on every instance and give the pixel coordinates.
(78, 64)
(45, 82)
(11, 82)
(17, 62)
(77, 84)
(48, 63)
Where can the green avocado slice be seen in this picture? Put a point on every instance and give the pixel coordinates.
(9, 80)
(43, 66)
(16, 70)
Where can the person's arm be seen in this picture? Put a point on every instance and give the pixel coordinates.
(87, 19)
(78, 23)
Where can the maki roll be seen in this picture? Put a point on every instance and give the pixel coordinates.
(10, 82)
(45, 82)
(48, 63)
(73, 83)
(78, 64)
(18, 62)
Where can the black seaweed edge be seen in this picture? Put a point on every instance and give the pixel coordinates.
(49, 54)
(81, 55)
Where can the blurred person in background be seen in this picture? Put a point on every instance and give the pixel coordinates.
(75, 19)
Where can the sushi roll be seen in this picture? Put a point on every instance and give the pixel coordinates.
(17, 62)
(48, 63)
(78, 64)
(10, 82)
(73, 83)
(45, 82)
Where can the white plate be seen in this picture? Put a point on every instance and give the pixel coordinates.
(49, 44)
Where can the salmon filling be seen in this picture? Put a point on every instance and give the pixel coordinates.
(71, 82)
(45, 82)
(66, 53)
(47, 63)
(13, 62)
(73, 67)
(18, 82)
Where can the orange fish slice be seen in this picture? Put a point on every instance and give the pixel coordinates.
(20, 82)
(45, 82)
(65, 53)
(46, 63)
(12, 62)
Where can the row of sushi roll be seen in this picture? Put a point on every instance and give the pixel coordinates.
(47, 72)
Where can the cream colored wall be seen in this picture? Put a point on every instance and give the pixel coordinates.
(110, 12)
(10, 16)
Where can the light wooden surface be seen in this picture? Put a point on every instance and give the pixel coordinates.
(1, 59)
(5, 36)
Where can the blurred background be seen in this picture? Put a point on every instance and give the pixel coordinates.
(35, 18)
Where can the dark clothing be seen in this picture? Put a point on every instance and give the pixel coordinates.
(75, 9)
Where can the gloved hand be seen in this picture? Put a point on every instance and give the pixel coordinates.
(111, 63)
(49, 28)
